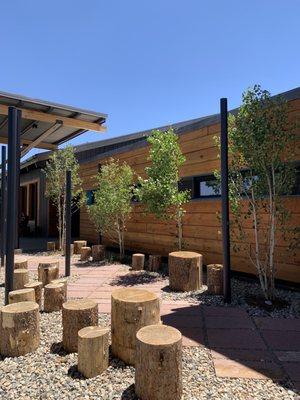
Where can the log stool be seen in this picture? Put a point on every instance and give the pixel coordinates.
(55, 294)
(85, 253)
(19, 328)
(154, 263)
(185, 271)
(131, 309)
(78, 244)
(93, 354)
(21, 264)
(16, 296)
(48, 271)
(61, 280)
(215, 278)
(77, 314)
(37, 286)
(98, 252)
(50, 246)
(138, 261)
(158, 366)
(21, 277)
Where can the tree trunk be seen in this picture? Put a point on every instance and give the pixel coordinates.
(78, 244)
(21, 277)
(215, 278)
(50, 246)
(98, 252)
(21, 264)
(55, 294)
(138, 261)
(16, 296)
(85, 253)
(37, 286)
(47, 272)
(154, 263)
(185, 271)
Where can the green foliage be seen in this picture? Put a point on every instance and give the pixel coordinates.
(112, 207)
(160, 192)
(261, 146)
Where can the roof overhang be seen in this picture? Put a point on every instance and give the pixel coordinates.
(46, 125)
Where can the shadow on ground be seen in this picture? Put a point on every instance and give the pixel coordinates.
(136, 278)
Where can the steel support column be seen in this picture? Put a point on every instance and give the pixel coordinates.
(18, 166)
(225, 200)
(3, 204)
(68, 224)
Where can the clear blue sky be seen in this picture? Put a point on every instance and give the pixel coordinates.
(147, 63)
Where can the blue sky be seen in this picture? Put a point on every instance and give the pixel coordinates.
(147, 63)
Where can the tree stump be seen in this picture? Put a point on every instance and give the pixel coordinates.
(98, 252)
(78, 244)
(61, 280)
(154, 263)
(85, 253)
(215, 278)
(77, 314)
(48, 271)
(131, 309)
(71, 250)
(37, 286)
(19, 328)
(16, 296)
(55, 294)
(21, 277)
(50, 246)
(93, 354)
(158, 367)
(185, 271)
(21, 264)
(138, 261)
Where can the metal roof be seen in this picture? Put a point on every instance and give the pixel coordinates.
(45, 124)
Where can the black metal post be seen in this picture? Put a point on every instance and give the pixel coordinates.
(68, 223)
(3, 205)
(225, 200)
(13, 116)
(18, 166)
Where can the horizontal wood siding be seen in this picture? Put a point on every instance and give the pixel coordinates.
(202, 230)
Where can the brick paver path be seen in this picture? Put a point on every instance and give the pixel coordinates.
(240, 346)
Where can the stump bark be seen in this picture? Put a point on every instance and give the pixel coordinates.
(77, 314)
(154, 263)
(131, 309)
(78, 244)
(98, 252)
(138, 261)
(55, 294)
(185, 271)
(48, 271)
(19, 329)
(16, 296)
(21, 277)
(93, 354)
(85, 253)
(50, 246)
(215, 278)
(158, 367)
(61, 280)
(21, 264)
(37, 286)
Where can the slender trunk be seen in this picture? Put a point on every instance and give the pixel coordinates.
(63, 222)
(59, 224)
(179, 228)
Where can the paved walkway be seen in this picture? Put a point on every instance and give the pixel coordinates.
(240, 346)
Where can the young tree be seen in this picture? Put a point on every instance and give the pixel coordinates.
(261, 146)
(160, 192)
(59, 162)
(113, 201)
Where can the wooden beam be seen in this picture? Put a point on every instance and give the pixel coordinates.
(68, 122)
(42, 145)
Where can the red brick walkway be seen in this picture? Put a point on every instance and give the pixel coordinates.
(240, 346)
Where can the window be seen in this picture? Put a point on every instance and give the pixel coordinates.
(90, 197)
(206, 186)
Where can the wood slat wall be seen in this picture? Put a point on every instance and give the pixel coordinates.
(202, 231)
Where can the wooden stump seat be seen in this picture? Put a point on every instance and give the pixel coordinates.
(158, 367)
(154, 263)
(77, 314)
(78, 244)
(185, 271)
(98, 252)
(16, 296)
(19, 328)
(37, 286)
(51, 246)
(85, 253)
(60, 280)
(21, 264)
(138, 261)
(48, 271)
(21, 277)
(131, 309)
(215, 278)
(55, 294)
(93, 353)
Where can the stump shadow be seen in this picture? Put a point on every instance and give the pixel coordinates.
(137, 278)
(129, 393)
(58, 348)
(75, 374)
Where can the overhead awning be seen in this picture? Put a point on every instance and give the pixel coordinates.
(46, 125)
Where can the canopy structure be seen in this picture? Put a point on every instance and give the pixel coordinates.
(46, 125)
